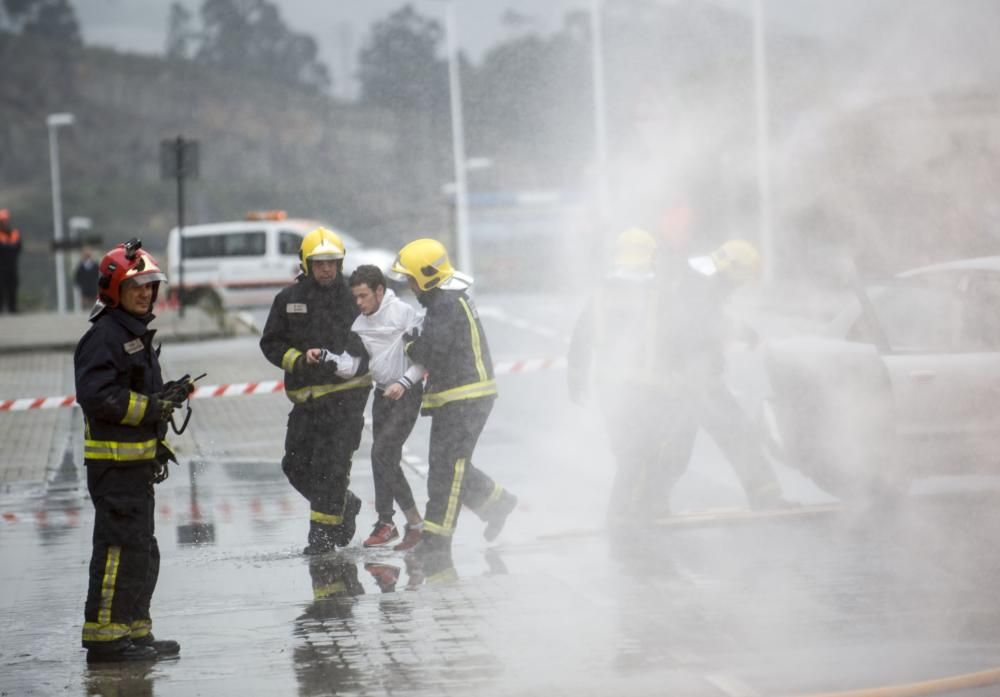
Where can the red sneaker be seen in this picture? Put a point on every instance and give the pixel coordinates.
(411, 538)
(385, 576)
(382, 534)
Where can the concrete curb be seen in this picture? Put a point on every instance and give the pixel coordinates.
(26, 333)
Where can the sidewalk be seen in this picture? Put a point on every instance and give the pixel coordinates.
(49, 331)
(36, 360)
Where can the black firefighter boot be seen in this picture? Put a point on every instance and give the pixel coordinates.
(344, 533)
(121, 652)
(322, 538)
(164, 647)
(496, 515)
(432, 554)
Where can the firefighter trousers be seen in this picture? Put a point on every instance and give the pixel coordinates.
(125, 562)
(452, 480)
(708, 404)
(392, 422)
(321, 438)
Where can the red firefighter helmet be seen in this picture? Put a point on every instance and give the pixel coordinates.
(127, 261)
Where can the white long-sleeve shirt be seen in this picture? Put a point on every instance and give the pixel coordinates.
(382, 334)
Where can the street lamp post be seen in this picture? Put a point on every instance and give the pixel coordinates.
(54, 121)
(600, 115)
(763, 140)
(464, 251)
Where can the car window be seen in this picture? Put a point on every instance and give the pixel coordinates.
(917, 318)
(230, 244)
(981, 314)
(289, 243)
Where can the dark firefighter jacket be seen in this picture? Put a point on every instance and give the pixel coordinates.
(642, 332)
(306, 315)
(10, 247)
(452, 347)
(117, 374)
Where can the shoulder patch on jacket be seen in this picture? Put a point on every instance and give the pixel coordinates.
(133, 346)
(296, 308)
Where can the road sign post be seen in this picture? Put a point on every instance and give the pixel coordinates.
(179, 160)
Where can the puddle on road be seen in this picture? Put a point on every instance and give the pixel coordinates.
(254, 615)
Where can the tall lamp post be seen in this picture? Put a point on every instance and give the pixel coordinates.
(763, 140)
(54, 121)
(458, 144)
(600, 115)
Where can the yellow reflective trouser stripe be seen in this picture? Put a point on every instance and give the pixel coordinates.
(325, 518)
(494, 495)
(470, 391)
(477, 347)
(329, 590)
(435, 529)
(137, 404)
(288, 360)
(447, 525)
(117, 450)
(454, 495)
(93, 631)
(312, 391)
(140, 628)
(449, 574)
(103, 629)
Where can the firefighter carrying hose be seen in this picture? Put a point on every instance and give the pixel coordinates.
(308, 335)
(126, 408)
(458, 396)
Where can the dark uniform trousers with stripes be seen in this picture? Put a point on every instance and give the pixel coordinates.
(126, 559)
(452, 480)
(322, 435)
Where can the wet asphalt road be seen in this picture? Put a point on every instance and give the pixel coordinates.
(723, 604)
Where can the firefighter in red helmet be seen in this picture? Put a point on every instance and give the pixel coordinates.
(126, 407)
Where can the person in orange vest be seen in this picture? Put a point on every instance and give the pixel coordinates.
(10, 250)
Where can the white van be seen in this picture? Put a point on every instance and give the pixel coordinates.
(245, 263)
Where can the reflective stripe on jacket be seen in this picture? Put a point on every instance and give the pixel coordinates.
(307, 315)
(453, 349)
(117, 372)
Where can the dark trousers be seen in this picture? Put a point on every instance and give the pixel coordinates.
(452, 480)
(321, 438)
(125, 562)
(653, 431)
(8, 288)
(392, 422)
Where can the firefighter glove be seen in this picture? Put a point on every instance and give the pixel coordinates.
(164, 406)
(160, 472)
(178, 390)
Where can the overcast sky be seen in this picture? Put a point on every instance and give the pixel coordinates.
(341, 26)
(937, 42)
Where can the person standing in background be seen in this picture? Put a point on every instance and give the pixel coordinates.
(85, 278)
(10, 251)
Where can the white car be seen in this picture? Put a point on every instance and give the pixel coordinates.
(245, 263)
(905, 383)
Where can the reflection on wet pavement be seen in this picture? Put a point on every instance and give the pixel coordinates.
(765, 607)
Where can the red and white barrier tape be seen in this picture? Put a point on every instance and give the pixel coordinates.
(264, 387)
(225, 511)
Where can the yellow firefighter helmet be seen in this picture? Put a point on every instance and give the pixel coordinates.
(737, 260)
(634, 253)
(321, 244)
(426, 262)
